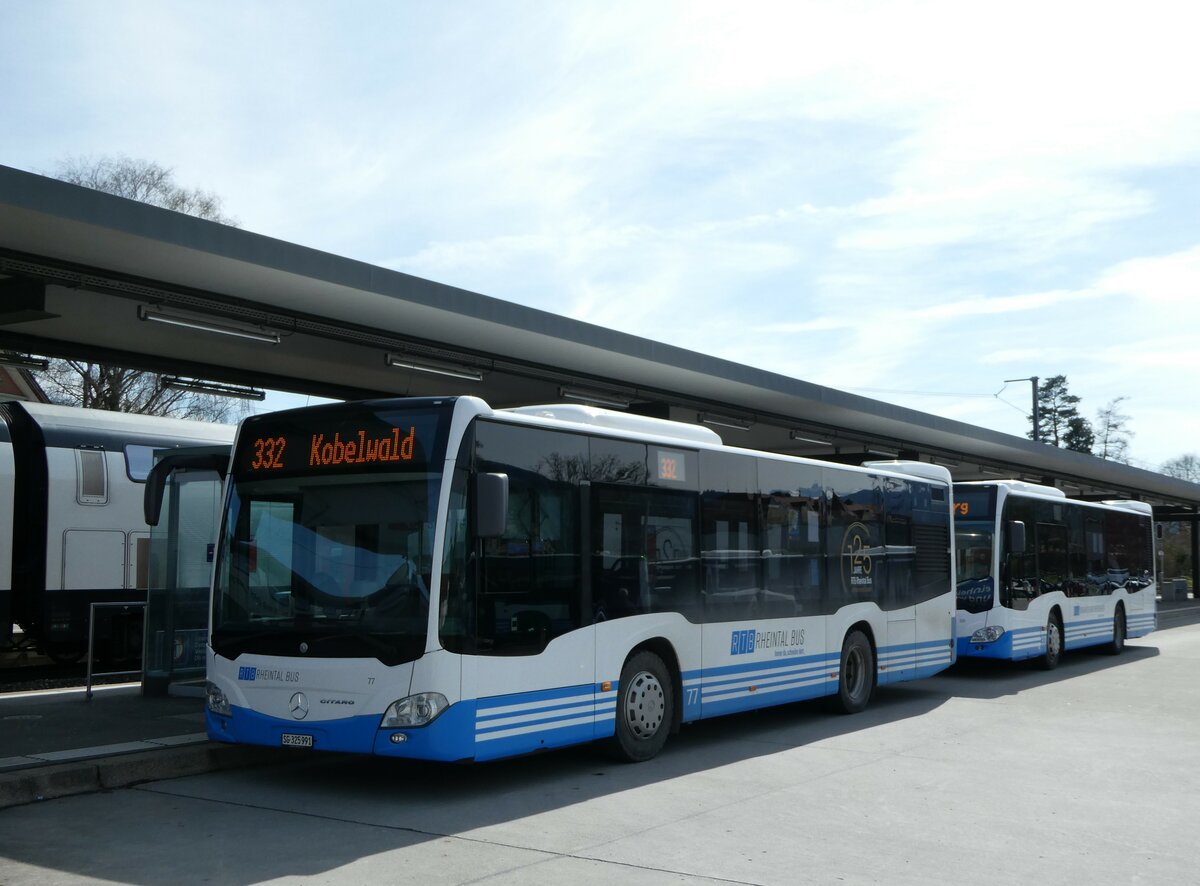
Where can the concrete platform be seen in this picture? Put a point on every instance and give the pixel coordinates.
(57, 743)
(61, 725)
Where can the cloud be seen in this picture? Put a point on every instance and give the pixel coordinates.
(1166, 280)
(857, 194)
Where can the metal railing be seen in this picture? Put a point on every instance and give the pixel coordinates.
(92, 642)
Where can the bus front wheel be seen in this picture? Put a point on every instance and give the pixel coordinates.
(1117, 645)
(1054, 643)
(856, 676)
(645, 708)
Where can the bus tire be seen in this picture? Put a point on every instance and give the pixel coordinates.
(645, 708)
(1049, 659)
(1117, 645)
(856, 674)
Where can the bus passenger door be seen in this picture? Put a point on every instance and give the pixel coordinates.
(530, 659)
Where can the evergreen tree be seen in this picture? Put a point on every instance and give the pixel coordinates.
(1079, 436)
(1060, 421)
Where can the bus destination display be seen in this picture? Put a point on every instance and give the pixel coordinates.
(390, 441)
(268, 452)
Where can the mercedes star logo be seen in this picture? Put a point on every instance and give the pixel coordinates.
(299, 706)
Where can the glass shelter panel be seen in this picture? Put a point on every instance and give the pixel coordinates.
(180, 570)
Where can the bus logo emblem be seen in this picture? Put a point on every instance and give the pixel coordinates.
(299, 706)
(742, 642)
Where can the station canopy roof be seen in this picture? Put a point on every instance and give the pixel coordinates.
(88, 275)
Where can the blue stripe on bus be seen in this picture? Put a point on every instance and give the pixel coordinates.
(536, 741)
(765, 672)
(1089, 632)
(485, 715)
(793, 661)
(587, 712)
(447, 738)
(518, 698)
(528, 721)
(760, 699)
(1140, 624)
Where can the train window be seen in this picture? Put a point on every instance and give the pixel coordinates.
(92, 476)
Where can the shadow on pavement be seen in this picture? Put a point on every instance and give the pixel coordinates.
(312, 815)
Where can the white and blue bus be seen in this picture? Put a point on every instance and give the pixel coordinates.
(1039, 573)
(432, 578)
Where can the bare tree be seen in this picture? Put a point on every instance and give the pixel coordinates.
(1112, 432)
(144, 181)
(1183, 467)
(101, 386)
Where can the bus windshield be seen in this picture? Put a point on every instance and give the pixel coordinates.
(327, 552)
(973, 559)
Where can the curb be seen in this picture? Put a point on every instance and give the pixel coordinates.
(106, 773)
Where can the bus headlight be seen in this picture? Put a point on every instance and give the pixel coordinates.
(416, 710)
(990, 634)
(218, 703)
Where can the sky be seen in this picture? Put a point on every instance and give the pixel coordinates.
(911, 201)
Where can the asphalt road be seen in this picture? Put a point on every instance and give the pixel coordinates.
(985, 774)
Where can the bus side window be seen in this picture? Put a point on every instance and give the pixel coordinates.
(731, 550)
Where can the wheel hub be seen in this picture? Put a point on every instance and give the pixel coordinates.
(645, 705)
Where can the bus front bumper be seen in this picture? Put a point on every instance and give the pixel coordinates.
(449, 738)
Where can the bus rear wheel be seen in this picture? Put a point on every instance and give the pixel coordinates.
(1049, 659)
(856, 675)
(645, 708)
(1117, 645)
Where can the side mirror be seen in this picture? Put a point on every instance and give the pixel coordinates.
(491, 504)
(1015, 536)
